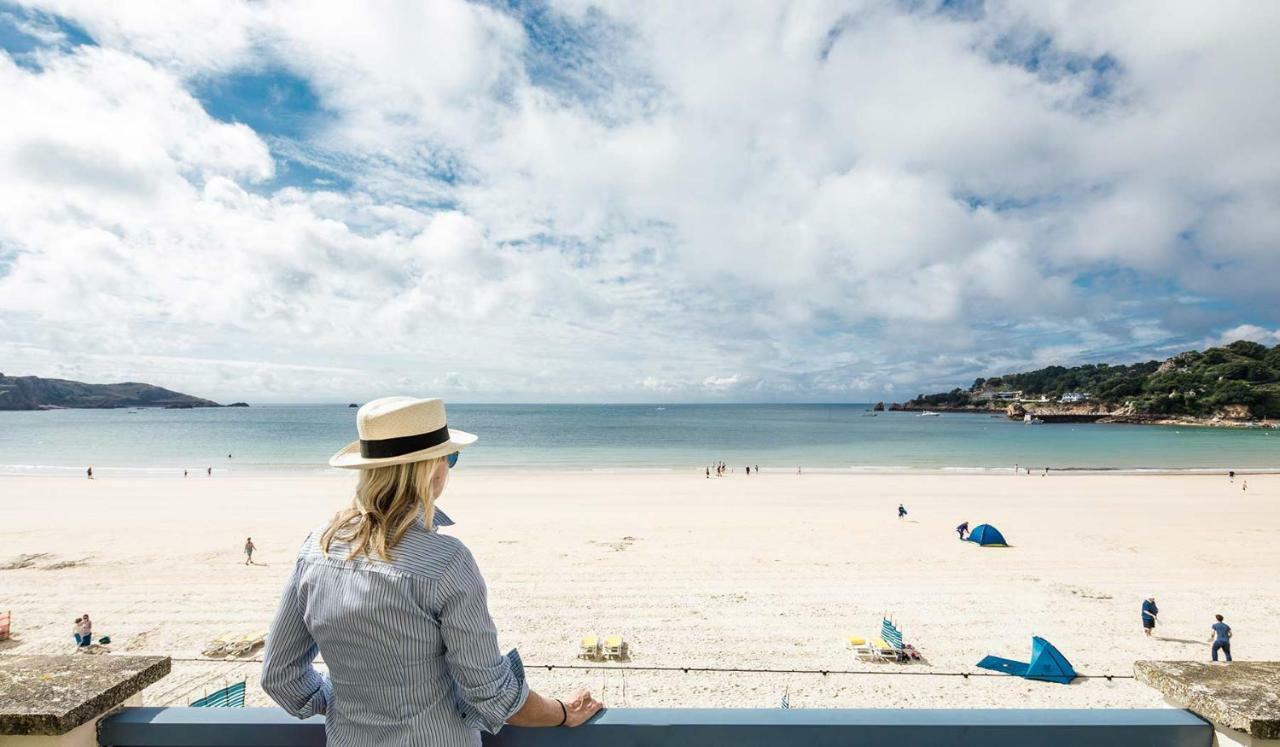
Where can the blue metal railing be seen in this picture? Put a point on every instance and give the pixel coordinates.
(631, 727)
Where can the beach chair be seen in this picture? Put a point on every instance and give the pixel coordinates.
(615, 647)
(871, 648)
(6, 619)
(247, 644)
(218, 646)
(590, 647)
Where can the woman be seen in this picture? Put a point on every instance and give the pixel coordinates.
(399, 611)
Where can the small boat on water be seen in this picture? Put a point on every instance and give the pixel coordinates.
(928, 414)
(1029, 420)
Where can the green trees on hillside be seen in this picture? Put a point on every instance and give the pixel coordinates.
(1243, 373)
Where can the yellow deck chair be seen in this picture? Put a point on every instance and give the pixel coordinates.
(871, 649)
(614, 647)
(590, 648)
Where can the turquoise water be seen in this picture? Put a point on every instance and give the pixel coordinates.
(301, 437)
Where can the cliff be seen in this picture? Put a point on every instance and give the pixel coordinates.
(35, 393)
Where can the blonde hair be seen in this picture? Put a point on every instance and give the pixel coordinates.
(386, 504)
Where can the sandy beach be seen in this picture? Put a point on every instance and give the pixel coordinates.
(768, 571)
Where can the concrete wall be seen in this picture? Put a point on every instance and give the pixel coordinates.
(269, 727)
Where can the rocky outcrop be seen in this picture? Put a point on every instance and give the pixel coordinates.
(35, 393)
(879, 407)
(238, 404)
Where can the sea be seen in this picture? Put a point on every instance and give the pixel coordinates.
(636, 437)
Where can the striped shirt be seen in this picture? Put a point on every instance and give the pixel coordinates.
(411, 650)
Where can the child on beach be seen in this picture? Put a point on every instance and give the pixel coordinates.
(1149, 612)
(84, 631)
(249, 547)
(963, 529)
(902, 511)
(1221, 638)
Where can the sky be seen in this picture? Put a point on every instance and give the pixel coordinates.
(285, 201)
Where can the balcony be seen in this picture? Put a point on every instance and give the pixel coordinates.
(270, 727)
(74, 701)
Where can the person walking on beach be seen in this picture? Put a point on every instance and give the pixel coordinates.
(1220, 638)
(963, 529)
(902, 512)
(184, 473)
(1149, 613)
(208, 471)
(1244, 486)
(398, 610)
(84, 631)
(249, 547)
(89, 472)
(1231, 475)
(708, 473)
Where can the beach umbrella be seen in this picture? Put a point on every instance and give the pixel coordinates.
(987, 536)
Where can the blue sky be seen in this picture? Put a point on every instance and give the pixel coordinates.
(571, 201)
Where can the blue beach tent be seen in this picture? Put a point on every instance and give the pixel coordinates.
(1047, 664)
(987, 536)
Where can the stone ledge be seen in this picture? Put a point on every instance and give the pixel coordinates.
(51, 695)
(1242, 695)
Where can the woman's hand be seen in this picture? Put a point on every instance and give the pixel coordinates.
(580, 707)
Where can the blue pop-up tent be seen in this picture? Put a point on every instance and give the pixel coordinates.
(1047, 664)
(987, 536)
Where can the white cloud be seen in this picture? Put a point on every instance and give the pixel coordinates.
(1249, 332)
(829, 200)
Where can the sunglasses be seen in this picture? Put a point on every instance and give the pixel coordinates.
(453, 459)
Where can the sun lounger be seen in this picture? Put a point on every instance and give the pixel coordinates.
(590, 648)
(218, 646)
(247, 644)
(872, 649)
(888, 646)
(614, 647)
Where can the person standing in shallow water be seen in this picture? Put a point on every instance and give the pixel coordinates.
(398, 610)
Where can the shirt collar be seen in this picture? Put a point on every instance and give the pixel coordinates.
(442, 519)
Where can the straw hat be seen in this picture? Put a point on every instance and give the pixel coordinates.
(400, 430)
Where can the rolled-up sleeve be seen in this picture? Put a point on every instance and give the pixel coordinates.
(288, 673)
(492, 686)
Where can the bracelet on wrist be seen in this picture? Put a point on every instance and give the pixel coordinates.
(564, 713)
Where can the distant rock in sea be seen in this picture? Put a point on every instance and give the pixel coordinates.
(353, 404)
(35, 393)
(238, 404)
(879, 407)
